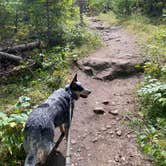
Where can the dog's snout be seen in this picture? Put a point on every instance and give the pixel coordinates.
(89, 92)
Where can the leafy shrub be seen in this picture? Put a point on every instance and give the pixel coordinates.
(151, 137)
(78, 36)
(123, 7)
(95, 7)
(152, 7)
(152, 143)
(153, 94)
(156, 47)
(11, 132)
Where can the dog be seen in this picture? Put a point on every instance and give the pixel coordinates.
(39, 131)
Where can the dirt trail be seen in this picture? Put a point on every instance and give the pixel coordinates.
(106, 139)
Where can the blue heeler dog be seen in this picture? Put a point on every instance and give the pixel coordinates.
(42, 121)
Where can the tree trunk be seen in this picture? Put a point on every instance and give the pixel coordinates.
(11, 57)
(22, 47)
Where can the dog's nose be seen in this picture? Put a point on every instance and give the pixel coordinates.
(89, 92)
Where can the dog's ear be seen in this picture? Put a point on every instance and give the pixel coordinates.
(74, 79)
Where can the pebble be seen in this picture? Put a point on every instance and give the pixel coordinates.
(105, 102)
(73, 142)
(89, 155)
(117, 118)
(116, 158)
(108, 126)
(98, 132)
(103, 129)
(78, 150)
(128, 136)
(123, 159)
(94, 140)
(111, 132)
(99, 110)
(119, 133)
(114, 112)
(80, 158)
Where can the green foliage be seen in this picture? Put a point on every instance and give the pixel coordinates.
(152, 136)
(123, 7)
(78, 36)
(11, 132)
(153, 94)
(97, 6)
(152, 142)
(152, 7)
(156, 48)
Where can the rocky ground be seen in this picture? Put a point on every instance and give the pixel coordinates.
(100, 135)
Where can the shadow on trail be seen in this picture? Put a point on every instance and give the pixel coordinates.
(55, 158)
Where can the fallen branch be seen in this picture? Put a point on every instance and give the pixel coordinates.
(21, 47)
(12, 57)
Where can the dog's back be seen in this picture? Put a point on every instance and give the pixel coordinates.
(39, 129)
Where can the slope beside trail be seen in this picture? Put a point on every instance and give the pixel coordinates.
(106, 139)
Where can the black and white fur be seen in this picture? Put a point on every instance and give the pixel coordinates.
(42, 121)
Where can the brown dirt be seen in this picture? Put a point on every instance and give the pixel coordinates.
(106, 139)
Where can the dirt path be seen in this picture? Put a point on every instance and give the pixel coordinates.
(106, 139)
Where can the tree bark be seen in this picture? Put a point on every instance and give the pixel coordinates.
(21, 47)
(12, 57)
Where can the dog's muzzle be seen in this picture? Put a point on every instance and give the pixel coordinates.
(85, 93)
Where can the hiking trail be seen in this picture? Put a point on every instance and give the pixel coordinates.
(100, 134)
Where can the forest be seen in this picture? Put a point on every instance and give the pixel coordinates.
(41, 45)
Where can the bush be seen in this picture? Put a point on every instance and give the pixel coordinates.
(11, 132)
(156, 47)
(152, 7)
(95, 7)
(153, 105)
(123, 7)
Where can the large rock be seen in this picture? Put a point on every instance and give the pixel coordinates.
(108, 69)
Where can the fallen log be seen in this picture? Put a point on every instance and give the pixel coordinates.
(4, 55)
(21, 47)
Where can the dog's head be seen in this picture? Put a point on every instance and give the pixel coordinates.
(78, 90)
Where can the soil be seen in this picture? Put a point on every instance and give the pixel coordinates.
(100, 132)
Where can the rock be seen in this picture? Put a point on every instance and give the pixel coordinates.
(110, 68)
(103, 129)
(114, 112)
(98, 133)
(123, 159)
(80, 158)
(118, 118)
(97, 64)
(128, 136)
(79, 150)
(95, 140)
(99, 110)
(116, 158)
(100, 27)
(73, 142)
(110, 132)
(108, 126)
(105, 102)
(88, 70)
(89, 155)
(119, 133)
